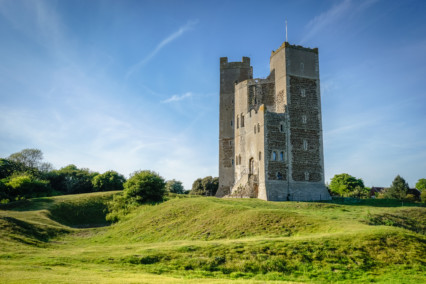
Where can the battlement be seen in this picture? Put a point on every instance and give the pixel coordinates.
(294, 46)
(224, 64)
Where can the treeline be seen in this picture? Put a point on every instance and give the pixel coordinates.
(25, 175)
(345, 185)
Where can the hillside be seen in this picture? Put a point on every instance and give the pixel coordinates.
(198, 239)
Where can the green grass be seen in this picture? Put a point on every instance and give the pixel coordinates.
(185, 240)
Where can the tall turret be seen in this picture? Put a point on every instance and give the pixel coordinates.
(230, 74)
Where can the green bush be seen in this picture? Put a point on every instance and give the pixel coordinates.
(141, 187)
(144, 186)
(26, 186)
(423, 196)
(110, 180)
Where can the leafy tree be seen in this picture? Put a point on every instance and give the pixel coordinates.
(423, 196)
(206, 186)
(30, 158)
(144, 186)
(8, 168)
(110, 180)
(175, 186)
(26, 186)
(421, 184)
(345, 185)
(71, 179)
(398, 190)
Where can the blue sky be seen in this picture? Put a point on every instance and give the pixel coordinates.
(130, 85)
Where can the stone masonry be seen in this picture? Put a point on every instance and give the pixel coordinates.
(270, 130)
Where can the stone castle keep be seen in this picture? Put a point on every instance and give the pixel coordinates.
(270, 130)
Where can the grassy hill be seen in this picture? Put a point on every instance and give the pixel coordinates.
(199, 239)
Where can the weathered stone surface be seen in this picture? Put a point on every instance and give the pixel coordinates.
(275, 137)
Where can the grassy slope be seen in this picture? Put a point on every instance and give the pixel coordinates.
(188, 239)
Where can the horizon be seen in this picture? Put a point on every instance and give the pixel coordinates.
(134, 85)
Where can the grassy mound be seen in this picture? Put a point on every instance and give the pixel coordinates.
(211, 240)
(37, 220)
(211, 219)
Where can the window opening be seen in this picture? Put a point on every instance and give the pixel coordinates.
(303, 92)
(274, 156)
(255, 129)
(279, 176)
(306, 176)
(260, 155)
(282, 156)
(305, 144)
(238, 121)
(304, 119)
(258, 127)
(251, 166)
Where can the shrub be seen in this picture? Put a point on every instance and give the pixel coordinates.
(110, 180)
(423, 196)
(144, 186)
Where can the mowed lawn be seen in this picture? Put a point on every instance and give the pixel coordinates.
(65, 239)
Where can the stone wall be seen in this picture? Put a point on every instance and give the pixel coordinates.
(305, 130)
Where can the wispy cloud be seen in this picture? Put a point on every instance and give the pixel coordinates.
(327, 18)
(183, 29)
(176, 98)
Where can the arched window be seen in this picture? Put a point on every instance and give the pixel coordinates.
(303, 92)
(232, 161)
(305, 144)
(251, 166)
(258, 127)
(242, 120)
(281, 156)
(238, 121)
(260, 155)
(236, 160)
(239, 159)
(274, 156)
(281, 127)
(279, 176)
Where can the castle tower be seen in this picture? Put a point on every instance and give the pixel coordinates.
(297, 94)
(271, 144)
(230, 74)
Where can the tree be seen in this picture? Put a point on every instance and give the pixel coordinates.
(8, 168)
(71, 179)
(423, 196)
(175, 186)
(421, 184)
(345, 184)
(206, 186)
(144, 186)
(30, 158)
(398, 190)
(110, 180)
(26, 186)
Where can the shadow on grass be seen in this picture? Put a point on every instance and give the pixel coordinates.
(373, 202)
(28, 204)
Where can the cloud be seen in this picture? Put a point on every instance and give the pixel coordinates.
(188, 26)
(176, 98)
(327, 18)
